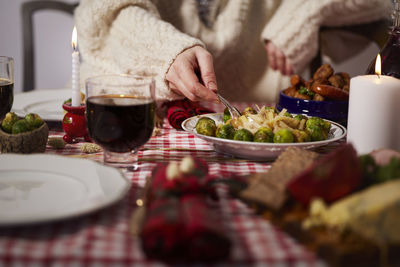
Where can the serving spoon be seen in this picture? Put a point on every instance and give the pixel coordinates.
(235, 113)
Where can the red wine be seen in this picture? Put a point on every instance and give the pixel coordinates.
(390, 55)
(120, 124)
(390, 52)
(6, 96)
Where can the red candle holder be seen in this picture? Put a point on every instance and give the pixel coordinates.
(74, 123)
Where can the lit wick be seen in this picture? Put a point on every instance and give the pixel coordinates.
(74, 39)
(378, 65)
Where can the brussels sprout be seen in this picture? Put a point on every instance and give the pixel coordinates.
(34, 120)
(301, 136)
(249, 110)
(300, 117)
(316, 133)
(206, 126)
(375, 174)
(318, 128)
(227, 115)
(9, 121)
(20, 126)
(315, 121)
(389, 171)
(326, 126)
(283, 136)
(225, 131)
(369, 169)
(264, 135)
(243, 135)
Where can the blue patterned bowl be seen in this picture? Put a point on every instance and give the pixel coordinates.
(330, 110)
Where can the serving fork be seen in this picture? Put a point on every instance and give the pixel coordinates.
(235, 113)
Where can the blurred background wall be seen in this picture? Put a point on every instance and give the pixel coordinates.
(52, 33)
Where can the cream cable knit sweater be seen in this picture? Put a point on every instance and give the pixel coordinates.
(143, 36)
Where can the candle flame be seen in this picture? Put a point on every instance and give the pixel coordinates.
(378, 65)
(74, 38)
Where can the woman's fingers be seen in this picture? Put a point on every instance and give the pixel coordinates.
(271, 55)
(176, 84)
(184, 79)
(278, 60)
(192, 83)
(289, 67)
(207, 72)
(186, 82)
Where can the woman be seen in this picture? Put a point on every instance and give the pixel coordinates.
(233, 49)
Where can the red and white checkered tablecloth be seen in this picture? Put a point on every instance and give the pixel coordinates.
(104, 239)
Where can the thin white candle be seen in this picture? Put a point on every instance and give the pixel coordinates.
(76, 91)
(374, 120)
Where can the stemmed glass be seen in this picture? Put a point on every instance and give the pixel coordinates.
(6, 85)
(120, 116)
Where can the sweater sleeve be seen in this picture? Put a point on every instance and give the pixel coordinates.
(295, 25)
(128, 36)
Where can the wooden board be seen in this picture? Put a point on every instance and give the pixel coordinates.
(337, 249)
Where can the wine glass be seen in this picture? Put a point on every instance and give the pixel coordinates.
(120, 116)
(6, 85)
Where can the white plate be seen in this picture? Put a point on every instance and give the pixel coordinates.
(39, 188)
(256, 151)
(46, 103)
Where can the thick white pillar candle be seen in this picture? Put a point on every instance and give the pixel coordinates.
(76, 90)
(374, 113)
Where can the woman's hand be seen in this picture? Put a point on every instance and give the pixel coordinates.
(278, 60)
(192, 75)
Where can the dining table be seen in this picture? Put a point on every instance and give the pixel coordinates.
(105, 238)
